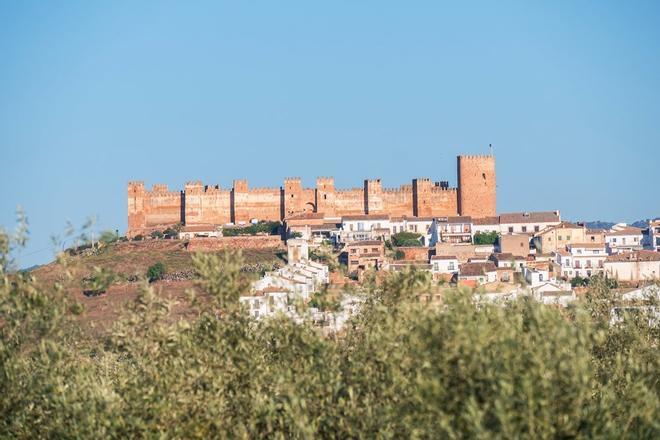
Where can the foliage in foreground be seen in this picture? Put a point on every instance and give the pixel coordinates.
(402, 369)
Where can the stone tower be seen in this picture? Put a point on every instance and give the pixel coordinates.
(136, 206)
(477, 186)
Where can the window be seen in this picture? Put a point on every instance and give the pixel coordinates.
(579, 251)
(524, 228)
(374, 250)
(559, 238)
(596, 252)
(510, 228)
(360, 226)
(623, 240)
(350, 227)
(536, 228)
(353, 251)
(451, 265)
(540, 277)
(614, 240)
(568, 238)
(436, 267)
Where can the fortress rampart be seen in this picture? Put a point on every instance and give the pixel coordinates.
(199, 204)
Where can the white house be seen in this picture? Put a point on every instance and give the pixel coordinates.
(362, 227)
(623, 238)
(633, 266)
(455, 230)
(654, 234)
(445, 264)
(582, 259)
(528, 222)
(536, 277)
(262, 303)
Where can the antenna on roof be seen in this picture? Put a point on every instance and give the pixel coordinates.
(490, 147)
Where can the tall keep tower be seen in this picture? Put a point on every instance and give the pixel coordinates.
(477, 195)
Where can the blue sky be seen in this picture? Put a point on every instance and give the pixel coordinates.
(94, 94)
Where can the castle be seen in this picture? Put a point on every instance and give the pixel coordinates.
(200, 204)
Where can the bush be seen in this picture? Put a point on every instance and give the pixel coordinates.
(400, 369)
(138, 237)
(295, 235)
(108, 237)
(399, 255)
(156, 234)
(406, 239)
(270, 228)
(155, 272)
(486, 237)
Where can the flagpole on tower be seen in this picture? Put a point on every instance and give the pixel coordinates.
(490, 147)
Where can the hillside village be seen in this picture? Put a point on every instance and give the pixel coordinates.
(336, 239)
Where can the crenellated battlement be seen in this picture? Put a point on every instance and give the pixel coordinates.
(475, 195)
(404, 189)
(475, 156)
(349, 190)
(264, 190)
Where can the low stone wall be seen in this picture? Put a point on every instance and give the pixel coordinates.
(235, 243)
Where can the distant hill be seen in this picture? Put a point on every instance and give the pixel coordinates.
(598, 224)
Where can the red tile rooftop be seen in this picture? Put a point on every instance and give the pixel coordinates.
(636, 256)
(477, 269)
(530, 217)
(628, 230)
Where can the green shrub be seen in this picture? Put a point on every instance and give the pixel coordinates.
(399, 255)
(270, 228)
(155, 272)
(406, 239)
(156, 234)
(486, 237)
(138, 237)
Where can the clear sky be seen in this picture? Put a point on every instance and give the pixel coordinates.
(94, 94)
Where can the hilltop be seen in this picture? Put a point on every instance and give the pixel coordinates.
(128, 263)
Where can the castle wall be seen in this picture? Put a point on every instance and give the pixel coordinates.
(443, 202)
(199, 204)
(476, 186)
(206, 205)
(398, 202)
(349, 202)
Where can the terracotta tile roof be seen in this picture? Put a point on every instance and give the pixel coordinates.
(443, 257)
(530, 217)
(634, 256)
(476, 269)
(504, 256)
(486, 221)
(628, 230)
